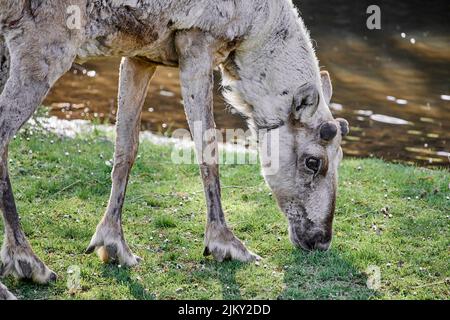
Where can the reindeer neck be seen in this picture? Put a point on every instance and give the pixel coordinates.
(262, 74)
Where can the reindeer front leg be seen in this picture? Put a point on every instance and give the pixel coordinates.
(109, 240)
(196, 57)
(4, 63)
(5, 294)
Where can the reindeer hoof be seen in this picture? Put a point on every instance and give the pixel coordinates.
(111, 247)
(21, 262)
(222, 244)
(5, 294)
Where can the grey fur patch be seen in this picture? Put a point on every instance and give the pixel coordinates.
(4, 63)
(25, 267)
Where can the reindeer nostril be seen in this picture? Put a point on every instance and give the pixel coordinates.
(317, 242)
(328, 131)
(344, 126)
(322, 246)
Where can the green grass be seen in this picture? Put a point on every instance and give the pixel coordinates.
(62, 187)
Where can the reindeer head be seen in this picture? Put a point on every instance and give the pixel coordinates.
(309, 155)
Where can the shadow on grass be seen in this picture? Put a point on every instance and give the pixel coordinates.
(225, 272)
(123, 276)
(322, 276)
(27, 290)
(307, 276)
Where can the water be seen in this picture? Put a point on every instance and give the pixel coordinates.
(391, 84)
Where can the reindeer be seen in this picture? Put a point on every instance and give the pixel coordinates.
(270, 75)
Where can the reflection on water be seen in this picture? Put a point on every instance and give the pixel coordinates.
(391, 84)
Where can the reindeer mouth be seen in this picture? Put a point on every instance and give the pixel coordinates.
(310, 240)
(307, 235)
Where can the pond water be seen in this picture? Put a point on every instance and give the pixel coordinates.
(391, 84)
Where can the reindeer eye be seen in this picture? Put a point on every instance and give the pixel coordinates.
(313, 164)
(306, 102)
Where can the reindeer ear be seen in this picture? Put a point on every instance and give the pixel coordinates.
(327, 87)
(345, 127)
(306, 101)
